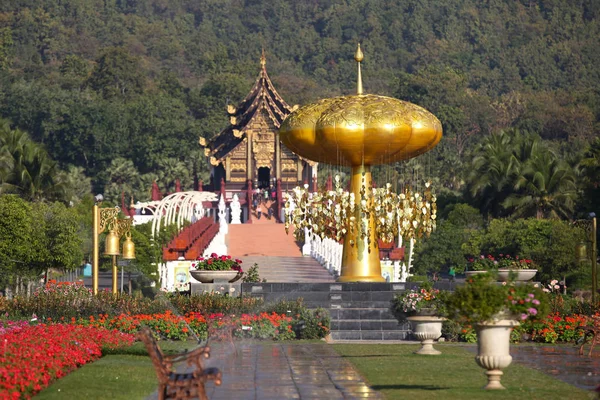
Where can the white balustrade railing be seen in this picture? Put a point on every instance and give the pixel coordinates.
(328, 253)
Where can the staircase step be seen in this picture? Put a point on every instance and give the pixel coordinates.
(370, 335)
(368, 325)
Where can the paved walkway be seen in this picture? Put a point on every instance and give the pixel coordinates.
(562, 362)
(277, 371)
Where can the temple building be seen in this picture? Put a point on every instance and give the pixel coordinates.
(249, 148)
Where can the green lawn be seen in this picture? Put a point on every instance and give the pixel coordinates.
(391, 368)
(126, 374)
(399, 374)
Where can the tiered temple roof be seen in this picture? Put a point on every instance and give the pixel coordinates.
(263, 96)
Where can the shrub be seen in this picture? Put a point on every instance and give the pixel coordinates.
(252, 274)
(312, 324)
(481, 298)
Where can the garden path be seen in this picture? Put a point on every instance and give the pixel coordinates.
(276, 371)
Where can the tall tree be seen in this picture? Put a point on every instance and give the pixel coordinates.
(545, 188)
(27, 170)
(590, 164)
(117, 73)
(491, 173)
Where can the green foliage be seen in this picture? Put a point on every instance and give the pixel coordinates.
(549, 243)
(518, 175)
(308, 323)
(6, 43)
(207, 303)
(312, 324)
(252, 274)
(98, 81)
(57, 241)
(482, 299)
(117, 73)
(16, 236)
(148, 254)
(25, 167)
(443, 249)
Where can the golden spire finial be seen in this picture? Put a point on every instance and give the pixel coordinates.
(263, 59)
(358, 56)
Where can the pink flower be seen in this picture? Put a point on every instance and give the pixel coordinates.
(536, 302)
(532, 311)
(523, 317)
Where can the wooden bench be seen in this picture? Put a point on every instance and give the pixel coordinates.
(593, 331)
(175, 385)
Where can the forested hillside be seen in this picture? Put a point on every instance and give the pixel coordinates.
(124, 88)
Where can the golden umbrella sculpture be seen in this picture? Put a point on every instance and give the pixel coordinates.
(361, 130)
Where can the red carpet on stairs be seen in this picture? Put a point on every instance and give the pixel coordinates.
(277, 254)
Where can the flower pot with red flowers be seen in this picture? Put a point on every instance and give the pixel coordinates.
(515, 268)
(479, 265)
(216, 269)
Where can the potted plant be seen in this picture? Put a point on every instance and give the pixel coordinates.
(424, 308)
(216, 269)
(519, 269)
(480, 264)
(494, 309)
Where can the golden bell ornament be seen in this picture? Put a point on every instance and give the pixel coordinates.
(128, 249)
(582, 254)
(112, 244)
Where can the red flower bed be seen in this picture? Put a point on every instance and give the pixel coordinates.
(558, 328)
(33, 356)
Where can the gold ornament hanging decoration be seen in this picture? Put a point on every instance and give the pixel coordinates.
(331, 214)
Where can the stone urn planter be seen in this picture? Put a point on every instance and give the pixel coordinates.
(216, 276)
(471, 273)
(426, 328)
(493, 343)
(522, 275)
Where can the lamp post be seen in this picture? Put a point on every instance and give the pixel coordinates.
(106, 218)
(590, 227)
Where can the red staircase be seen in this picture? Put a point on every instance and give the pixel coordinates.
(191, 240)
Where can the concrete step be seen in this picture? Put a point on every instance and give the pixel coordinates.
(369, 335)
(368, 325)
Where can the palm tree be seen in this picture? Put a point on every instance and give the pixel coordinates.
(123, 178)
(26, 168)
(77, 184)
(590, 168)
(171, 170)
(492, 170)
(516, 175)
(545, 188)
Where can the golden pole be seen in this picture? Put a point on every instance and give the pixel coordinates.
(360, 257)
(96, 232)
(114, 274)
(594, 263)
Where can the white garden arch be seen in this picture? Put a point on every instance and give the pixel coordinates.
(179, 207)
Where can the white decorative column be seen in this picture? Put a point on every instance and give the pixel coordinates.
(236, 210)
(306, 248)
(223, 227)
